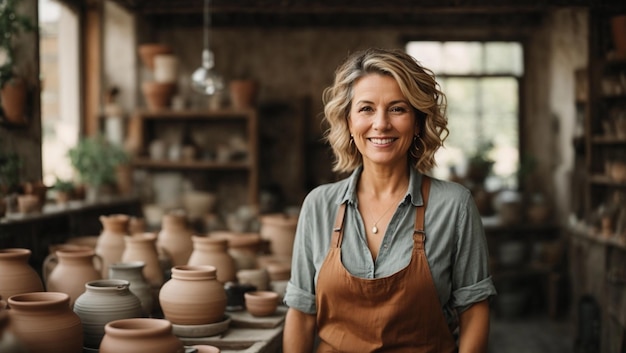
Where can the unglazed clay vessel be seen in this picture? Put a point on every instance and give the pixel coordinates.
(111, 243)
(44, 323)
(175, 238)
(142, 335)
(142, 247)
(105, 301)
(213, 252)
(193, 296)
(16, 275)
(280, 230)
(261, 303)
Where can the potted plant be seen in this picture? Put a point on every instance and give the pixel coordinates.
(63, 190)
(13, 90)
(96, 162)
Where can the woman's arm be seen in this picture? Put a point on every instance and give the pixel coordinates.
(474, 328)
(298, 336)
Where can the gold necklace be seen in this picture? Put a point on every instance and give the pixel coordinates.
(375, 227)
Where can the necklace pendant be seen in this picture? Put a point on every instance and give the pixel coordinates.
(374, 229)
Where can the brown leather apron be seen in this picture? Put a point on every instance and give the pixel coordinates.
(398, 313)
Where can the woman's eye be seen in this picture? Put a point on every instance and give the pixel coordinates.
(365, 109)
(397, 109)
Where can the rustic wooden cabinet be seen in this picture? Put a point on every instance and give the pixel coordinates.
(212, 150)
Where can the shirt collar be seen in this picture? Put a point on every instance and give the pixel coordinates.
(414, 193)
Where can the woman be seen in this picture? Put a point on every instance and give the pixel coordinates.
(387, 259)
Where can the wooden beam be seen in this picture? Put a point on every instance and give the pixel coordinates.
(92, 79)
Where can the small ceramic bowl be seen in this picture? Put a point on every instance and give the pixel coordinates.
(261, 303)
(202, 348)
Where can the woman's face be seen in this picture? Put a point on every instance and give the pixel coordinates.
(381, 121)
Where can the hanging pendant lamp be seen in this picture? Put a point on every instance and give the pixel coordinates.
(205, 79)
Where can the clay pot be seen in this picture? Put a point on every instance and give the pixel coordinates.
(165, 68)
(142, 247)
(199, 203)
(203, 348)
(280, 230)
(258, 277)
(27, 204)
(243, 247)
(16, 275)
(279, 270)
(141, 335)
(243, 93)
(213, 252)
(103, 302)
(85, 240)
(618, 27)
(44, 323)
(13, 97)
(148, 51)
(111, 243)
(137, 225)
(158, 95)
(261, 303)
(175, 238)
(74, 269)
(193, 296)
(139, 286)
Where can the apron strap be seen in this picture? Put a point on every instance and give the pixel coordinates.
(338, 228)
(419, 230)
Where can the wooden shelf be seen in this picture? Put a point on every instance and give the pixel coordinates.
(191, 165)
(608, 140)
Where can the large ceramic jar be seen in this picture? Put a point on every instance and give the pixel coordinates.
(140, 335)
(105, 301)
(74, 269)
(111, 243)
(142, 247)
(280, 230)
(16, 275)
(175, 238)
(193, 296)
(139, 286)
(214, 252)
(44, 323)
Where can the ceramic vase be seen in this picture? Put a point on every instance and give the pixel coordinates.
(193, 296)
(74, 269)
(105, 301)
(148, 51)
(139, 286)
(243, 93)
(175, 238)
(213, 252)
(142, 247)
(44, 323)
(13, 98)
(280, 230)
(16, 275)
(111, 243)
(141, 335)
(243, 247)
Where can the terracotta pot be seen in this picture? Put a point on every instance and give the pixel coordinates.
(243, 247)
(142, 247)
(74, 269)
(280, 230)
(139, 286)
(199, 203)
(175, 238)
(165, 68)
(213, 252)
(44, 323)
(27, 204)
(105, 301)
(148, 51)
(193, 296)
(13, 97)
(16, 275)
(258, 277)
(140, 335)
(111, 242)
(137, 225)
(261, 303)
(279, 270)
(158, 95)
(243, 93)
(85, 240)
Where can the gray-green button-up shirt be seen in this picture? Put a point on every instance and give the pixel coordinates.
(456, 246)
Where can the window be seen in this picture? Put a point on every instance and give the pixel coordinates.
(481, 81)
(58, 49)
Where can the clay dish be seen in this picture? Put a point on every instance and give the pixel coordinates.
(261, 303)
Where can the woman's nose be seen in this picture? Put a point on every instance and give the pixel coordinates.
(381, 120)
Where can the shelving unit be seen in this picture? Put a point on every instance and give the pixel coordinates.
(234, 179)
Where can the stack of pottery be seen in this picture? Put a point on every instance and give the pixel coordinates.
(158, 59)
(111, 242)
(44, 323)
(74, 268)
(193, 296)
(139, 286)
(103, 302)
(142, 247)
(16, 275)
(213, 252)
(243, 247)
(140, 335)
(175, 238)
(280, 230)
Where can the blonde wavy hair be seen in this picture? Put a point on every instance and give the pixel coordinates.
(418, 85)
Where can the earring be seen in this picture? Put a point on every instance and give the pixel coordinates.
(415, 149)
(351, 140)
